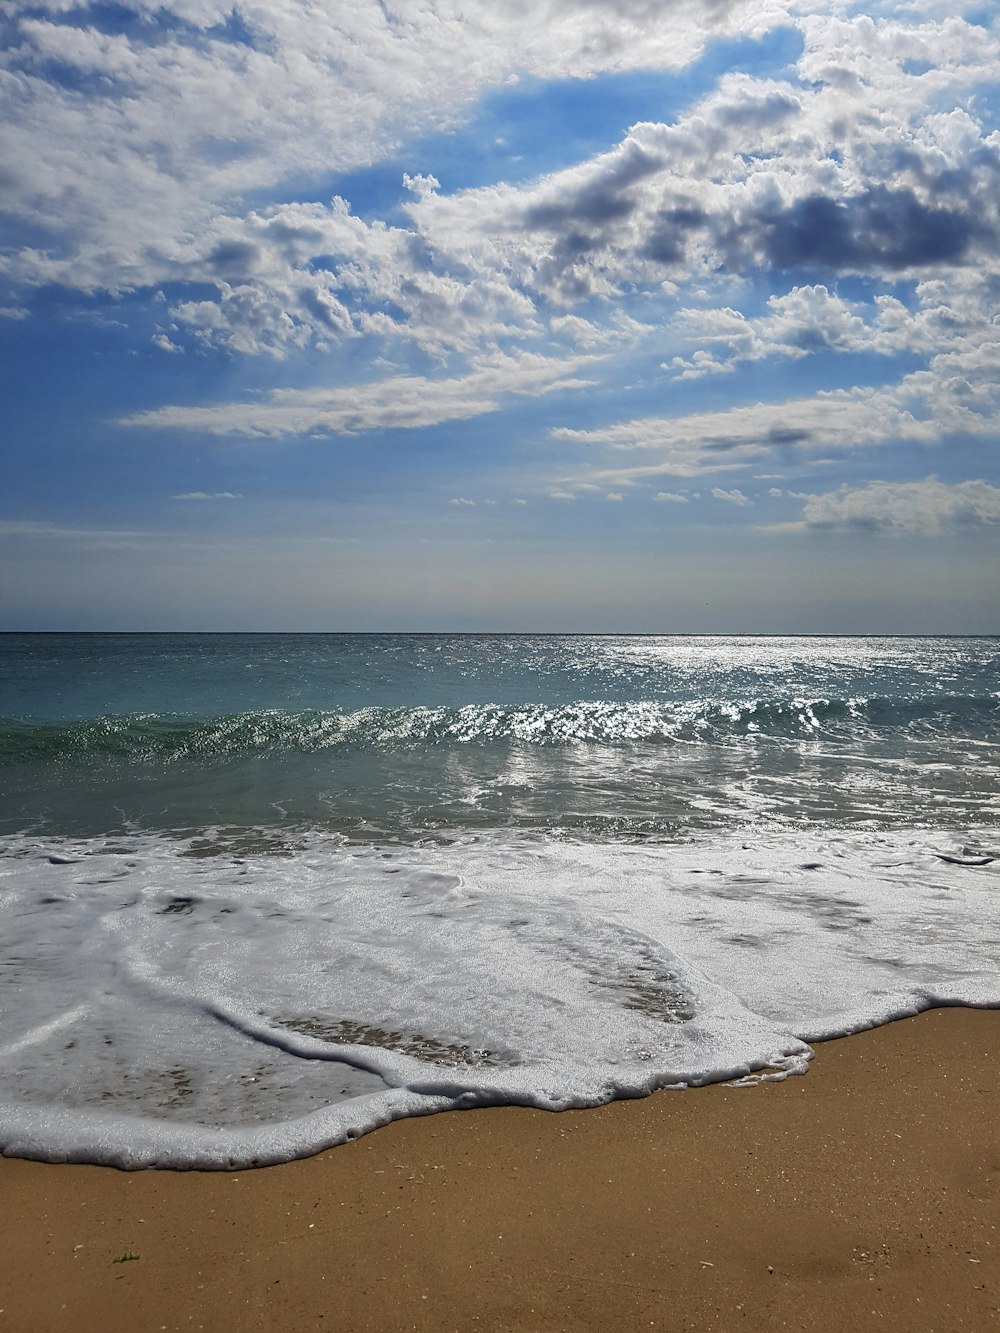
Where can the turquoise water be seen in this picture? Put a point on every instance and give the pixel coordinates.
(406, 736)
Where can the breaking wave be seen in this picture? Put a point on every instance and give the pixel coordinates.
(166, 737)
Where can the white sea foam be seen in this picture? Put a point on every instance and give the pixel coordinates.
(159, 1007)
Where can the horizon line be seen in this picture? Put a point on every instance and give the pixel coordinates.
(516, 633)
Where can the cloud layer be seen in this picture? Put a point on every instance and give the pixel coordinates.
(768, 303)
(131, 132)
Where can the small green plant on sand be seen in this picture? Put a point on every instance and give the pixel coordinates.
(126, 1257)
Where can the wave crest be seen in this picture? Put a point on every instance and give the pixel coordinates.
(168, 738)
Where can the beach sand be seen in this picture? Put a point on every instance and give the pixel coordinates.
(865, 1195)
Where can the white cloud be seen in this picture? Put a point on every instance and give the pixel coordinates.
(614, 495)
(155, 132)
(671, 497)
(207, 495)
(851, 167)
(161, 341)
(958, 312)
(956, 392)
(707, 442)
(701, 363)
(403, 402)
(735, 497)
(846, 172)
(924, 508)
(761, 173)
(803, 320)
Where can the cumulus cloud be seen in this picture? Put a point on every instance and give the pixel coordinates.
(859, 163)
(130, 140)
(671, 497)
(924, 508)
(701, 363)
(161, 341)
(851, 170)
(802, 320)
(733, 497)
(956, 313)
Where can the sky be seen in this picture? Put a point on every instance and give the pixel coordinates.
(560, 315)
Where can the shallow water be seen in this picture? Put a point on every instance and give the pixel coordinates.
(262, 893)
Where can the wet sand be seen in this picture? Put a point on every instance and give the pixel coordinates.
(865, 1195)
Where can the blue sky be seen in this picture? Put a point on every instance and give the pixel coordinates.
(447, 315)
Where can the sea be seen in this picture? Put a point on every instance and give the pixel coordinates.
(260, 894)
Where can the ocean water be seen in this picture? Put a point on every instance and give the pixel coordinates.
(262, 893)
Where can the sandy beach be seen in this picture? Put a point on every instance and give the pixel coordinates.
(863, 1195)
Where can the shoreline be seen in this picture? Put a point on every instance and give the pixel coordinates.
(864, 1194)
